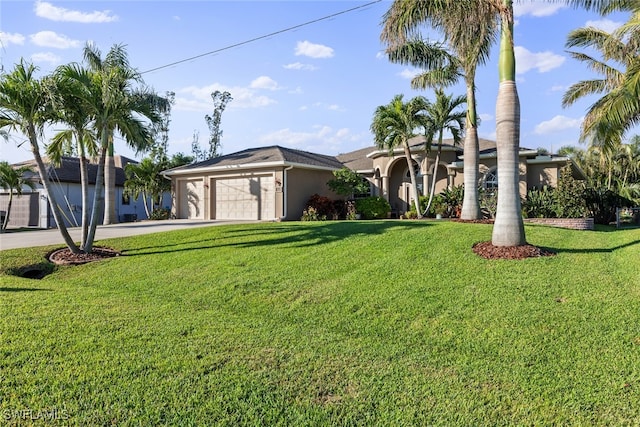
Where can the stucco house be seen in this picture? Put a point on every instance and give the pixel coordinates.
(274, 183)
(32, 208)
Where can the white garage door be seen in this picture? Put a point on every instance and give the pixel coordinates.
(192, 199)
(245, 198)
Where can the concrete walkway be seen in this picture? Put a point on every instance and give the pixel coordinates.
(28, 239)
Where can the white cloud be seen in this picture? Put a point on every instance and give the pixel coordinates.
(542, 61)
(46, 57)
(557, 124)
(313, 50)
(11, 38)
(300, 66)
(485, 117)
(297, 91)
(536, 8)
(558, 88)
(604, 24)
(408, 74)
(194, 98)
(319, 134)
(264, 82)
(48, 11)
(51, 39)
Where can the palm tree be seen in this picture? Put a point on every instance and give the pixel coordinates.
(26, 105)
(395, 124)
(470, 38)
(442, 116)
(619, 108)
(13, 180)
(72, 82)
(144, 179)
(120, 101)
(508, 227)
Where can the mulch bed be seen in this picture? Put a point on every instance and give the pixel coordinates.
(66, 257)
(488, 251)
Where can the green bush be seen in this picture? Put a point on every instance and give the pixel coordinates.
(570, 196)
(160, 213)
(373, 207)
(540, 203)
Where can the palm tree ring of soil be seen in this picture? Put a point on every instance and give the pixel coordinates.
(489, 251)
(66, 257)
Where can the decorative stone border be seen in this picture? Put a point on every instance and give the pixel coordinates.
(572, 223)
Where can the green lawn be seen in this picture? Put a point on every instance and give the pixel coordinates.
(385, 323)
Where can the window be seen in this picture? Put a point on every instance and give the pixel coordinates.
(491, 180)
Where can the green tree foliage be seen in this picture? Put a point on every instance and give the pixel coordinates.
(348, 183)
(13, 180)
(220, 101)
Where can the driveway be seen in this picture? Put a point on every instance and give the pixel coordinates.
(28, 239)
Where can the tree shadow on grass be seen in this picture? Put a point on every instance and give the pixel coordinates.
(23, 290)
(593, 250)
(294, 235)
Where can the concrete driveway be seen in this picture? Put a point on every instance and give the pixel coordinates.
(28, 239)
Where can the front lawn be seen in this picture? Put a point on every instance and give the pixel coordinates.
(380, 323)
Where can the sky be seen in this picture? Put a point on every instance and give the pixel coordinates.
(302, 74)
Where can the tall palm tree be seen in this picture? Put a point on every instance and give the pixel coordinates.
(72, 81)
(26, 106)
(13, 180)
(508, 228)
(442, 116)
(619, 108)
(395, 124)
(121, 78)
(470, 38)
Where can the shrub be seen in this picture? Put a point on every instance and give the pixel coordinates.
(373, 207)
(602, 203)
(323, 206)
(311, 214)
(540, 203)
(160, 213)
(488, 203)
(570, 196)
(452, 199)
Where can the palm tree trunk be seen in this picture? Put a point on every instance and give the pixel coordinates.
(6, 218)
(110, 186)
(84, 183)
(98, 201)
(470, 202)
(434, 179)
(508, 229)
(412, 176)
(44, 176)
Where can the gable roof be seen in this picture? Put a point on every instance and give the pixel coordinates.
(69, 169)
(262, 157)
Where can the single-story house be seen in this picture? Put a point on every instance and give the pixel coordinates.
(274, 183)
(32, 208)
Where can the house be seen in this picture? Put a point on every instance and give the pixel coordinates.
(270, 183)
(274, 183)
(32, 208)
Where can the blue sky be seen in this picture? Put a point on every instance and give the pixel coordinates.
(314, 88)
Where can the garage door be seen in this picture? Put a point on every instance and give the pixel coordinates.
(191, 199)
(245, 198)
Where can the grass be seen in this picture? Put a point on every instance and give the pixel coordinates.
(335, 323)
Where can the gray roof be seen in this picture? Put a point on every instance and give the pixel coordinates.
(357, 160)
(69, 169)
(273, 154)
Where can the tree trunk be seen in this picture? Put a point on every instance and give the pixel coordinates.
(434, 179)
(6, 218)
(412, 176)
(98, 201)
(110, 193)
(44, 177)
(470, 202)
(508, 228)
(84, 183)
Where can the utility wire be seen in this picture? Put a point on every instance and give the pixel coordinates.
(262, 37)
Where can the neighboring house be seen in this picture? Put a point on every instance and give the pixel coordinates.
(274, 183)
(270, 183)
(32, 208)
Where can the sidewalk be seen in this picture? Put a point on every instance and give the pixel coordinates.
(27, 239)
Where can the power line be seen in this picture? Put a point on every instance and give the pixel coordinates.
(262, 37)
